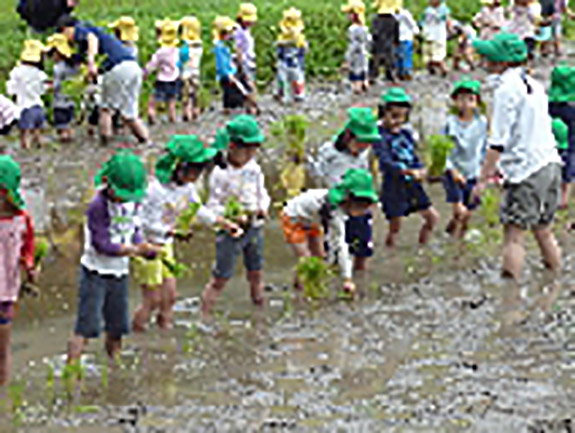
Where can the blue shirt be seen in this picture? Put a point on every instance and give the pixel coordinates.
(292, 56)
(108, 45)
(224, 64)
(470, 140)
(395, 153)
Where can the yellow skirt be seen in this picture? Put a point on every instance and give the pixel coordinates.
(152, 273)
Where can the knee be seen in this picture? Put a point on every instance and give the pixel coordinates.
(431, 217)
(217, 284)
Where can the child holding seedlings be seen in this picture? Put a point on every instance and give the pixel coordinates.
(350, 149)
(385, 36)
(191, 53)
(468, 130)
(238, 193)
(436, 23)
(521, 142)
(291, 49)
(16, 254)
(165, 60)
(127, 31)
(403, 173)
(408, 28)
(28, 83)
(490, 19)
(358, 44)
(171, 194)
(112, 236)
(65, 67)
(304, 216)
(246, 46)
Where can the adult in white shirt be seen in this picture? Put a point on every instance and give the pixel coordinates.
(522, 142)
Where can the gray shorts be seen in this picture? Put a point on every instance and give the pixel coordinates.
(121, 89)
(533, 202)
(228, 249)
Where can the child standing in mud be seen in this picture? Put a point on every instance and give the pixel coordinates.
(358, 44)
(408, 28)
(28, 83)
(16, 254)
(191, 53)
(112, 236)
(436, 25)
(246, 48)
(403, 172)
(165, 60)
(490, 19)
(169, 194)
(385, 36)
(291, 50)
(238, 193)
(521, 142)
(350, 149)
(468, 130)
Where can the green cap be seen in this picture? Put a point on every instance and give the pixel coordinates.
(504, 47)
(357, 182)
(469, 86)
(363, 124)
(561, 133)
(10, 176)
(245, 128)
(182, 148)
(396, 95)
(562, 84)
(125, 175)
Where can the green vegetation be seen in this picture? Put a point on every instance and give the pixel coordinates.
(438, 149)
(314, 274)
(234, 210)
(41, 251)
(186, 219)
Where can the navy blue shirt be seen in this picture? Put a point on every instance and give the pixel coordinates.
(395, 153)
(108, 45)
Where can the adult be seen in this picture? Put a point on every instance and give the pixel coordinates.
(121, 75)
(42, 15)
(522, 142)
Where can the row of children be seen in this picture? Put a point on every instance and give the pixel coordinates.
(117, 228)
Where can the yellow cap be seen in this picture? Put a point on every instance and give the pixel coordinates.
(128, 29)
(169, 36)
(191, 29)
(291, 21)
(221, 25)
(32, 51)
(387, 6)
(248, 12)
(355, 7)
(60, 43)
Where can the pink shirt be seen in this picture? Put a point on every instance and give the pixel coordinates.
(16, 249)
(165, 61)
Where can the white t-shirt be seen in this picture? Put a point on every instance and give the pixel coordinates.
(28, 84)
(435, 23)
(521, 126)
(408, 28)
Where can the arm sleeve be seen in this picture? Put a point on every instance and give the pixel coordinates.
(98, 224)
(217, 193)
(222, 66)
(152, 65)
(264, 199)
(11, 84)
(412, 24)
(344, 258)
(27, 251)
(152, 212)
(504, 119)
(386, 161)
(205, 215)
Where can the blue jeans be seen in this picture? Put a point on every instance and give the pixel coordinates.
(228, 249)
(405, 58)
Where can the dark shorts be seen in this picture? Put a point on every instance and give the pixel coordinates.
(358, 235)
(6, 312)
(63, 116)
(400, 198)
(102, 297)
(32, 118)
(534, 201)
(232, 96)
(165, 91)
(568, 168)
(566, 112)
(530, 42)
(458, 193)
(94, 117)
(354, 78)
(250, 245)
(6, 129)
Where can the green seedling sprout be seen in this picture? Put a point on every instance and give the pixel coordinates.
(234, 210)
(186, 219)
(16, 393)
(41, 251)
(314, 274)
(439, 147)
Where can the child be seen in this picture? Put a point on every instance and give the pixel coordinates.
(191, 54)
(468, 129)
(64, 68)
(7, 115)
(521, 142)
(126, 30)
(27, 83)
(350, 149)
(169, 194)
(385, 36)
(358, 43)
(490, 19)
(562, 106)
(112, 236)
(303, 217)
(291, 49)
(522, 23)
(165, 61)
(238, 188)
(561, 134)
(403, 172)
(91, 100)
(464, 34)
(436, 23)
(234, 90)
(16, 252)
(408, 28)
(245, 45)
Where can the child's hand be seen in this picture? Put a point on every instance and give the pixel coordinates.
(349, 287)
(262, 215)
(458, 177)
(233, 229)
(147, 250)
(418, 175)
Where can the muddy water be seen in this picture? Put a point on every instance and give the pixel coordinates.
(437, 342)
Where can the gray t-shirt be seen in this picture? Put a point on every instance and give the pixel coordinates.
(359, 40)
(470, 140)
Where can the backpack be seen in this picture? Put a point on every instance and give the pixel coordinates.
(42, 15)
